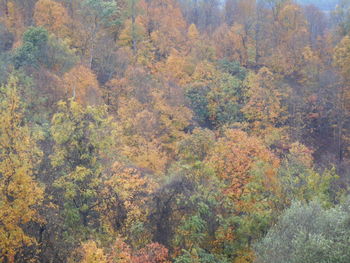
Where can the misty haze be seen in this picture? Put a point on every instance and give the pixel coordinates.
(174, 131)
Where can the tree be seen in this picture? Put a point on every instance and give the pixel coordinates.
(152, 253)
(307, 233)
(60, 57)
(341, 60)
(265, 109)
(83, 145)
(40, 50)
(134, 31)
(166, 26)
(215, 96)
(196, 146)
(289, 37)
(300, 181)
(231, 43)
(341, 57)
(151, 116)
(317, 23)
(127, 191)
(341, 16)
(96, 17)
(234, 155)
(20, 194)
(6, 38)
(241, 18)
(53, 16)
(80, 83)
(13, 17)
(89, 252)
(120, 252)
(132, 34)
(33, 50)
(27, 9)
(208, 14)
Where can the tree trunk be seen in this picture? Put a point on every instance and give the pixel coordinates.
(133, 27)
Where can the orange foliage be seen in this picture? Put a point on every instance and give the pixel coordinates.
(120, 252)
(152, 253)
(233, 157)
(53, 16)
(163, 18)
(81, 83)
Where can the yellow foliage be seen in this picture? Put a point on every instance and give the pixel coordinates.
(301, 154)
(127, 34)
(138, 135)
(20, 194)
(151, 118)
(342, 57)
(311, 67)
(245, 256)
(204, 73)
(192, 33)
(264, 108)
(92, 254)
(130, 189)
(177, 67)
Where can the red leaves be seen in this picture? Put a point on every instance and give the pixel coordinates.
(152, 253)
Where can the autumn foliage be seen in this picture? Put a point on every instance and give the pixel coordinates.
(185, 131)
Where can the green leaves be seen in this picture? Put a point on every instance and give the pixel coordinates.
(84, 144)
(307, 233)
(32, 51)
(105, 11)
(300, 181)
(216, 102)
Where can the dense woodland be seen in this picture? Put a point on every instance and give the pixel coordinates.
(185, 131)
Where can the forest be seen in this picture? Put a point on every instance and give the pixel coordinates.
(184, 131)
